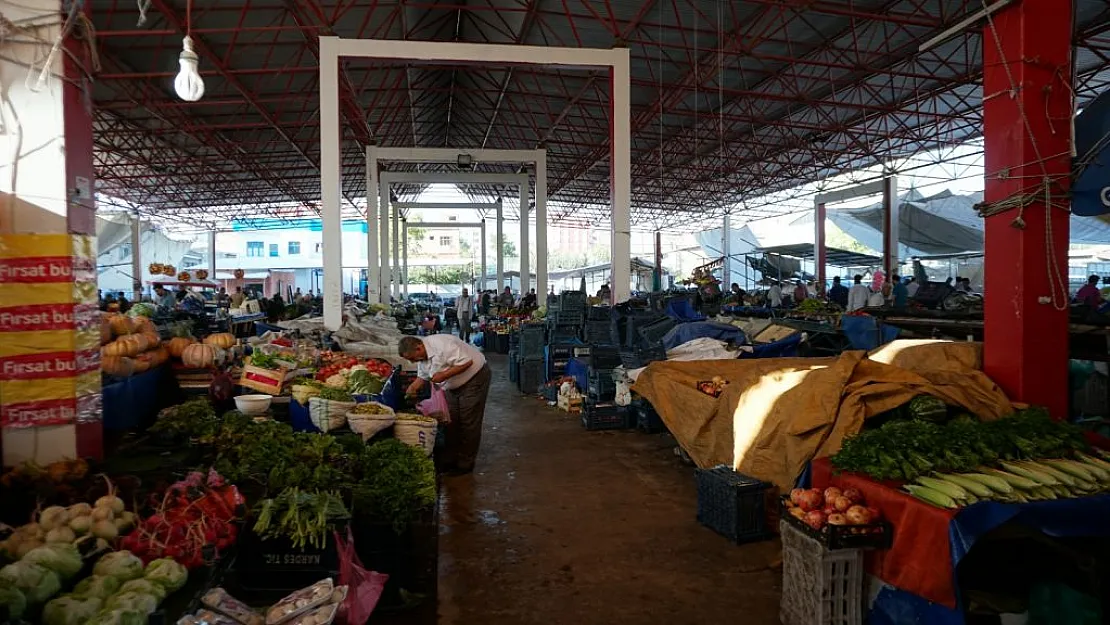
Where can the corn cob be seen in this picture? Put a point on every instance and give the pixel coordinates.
(1028, 472)
(1100, 470)
(1089, 459)
(1016, 481)
(976, 488)
(955, 491)
(992, 482)
(1070, 466)
(931, 496)
(1065, 479)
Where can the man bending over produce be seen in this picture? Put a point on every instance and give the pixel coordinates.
(461, 370)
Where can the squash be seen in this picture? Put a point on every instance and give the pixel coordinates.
(223, 340)
(120, 366)
(129, 345)
(105, 330)
(199, 355)
(121, 324)
(143, 362)
(161, 355)
(176, 346)
(143, 325)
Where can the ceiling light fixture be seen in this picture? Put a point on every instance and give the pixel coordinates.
(188, 84)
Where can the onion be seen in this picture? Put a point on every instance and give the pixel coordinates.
(53, 517)
(60, 535)
(80, 524)
(105, 529)
(103, 513)
(79, 509)
(125, 521)
(111, 501)
(26, 546)
(31, 530)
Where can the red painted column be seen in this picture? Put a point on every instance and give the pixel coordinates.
(1027, 113)
(819, 252)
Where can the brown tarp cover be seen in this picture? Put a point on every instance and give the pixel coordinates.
(776, 414)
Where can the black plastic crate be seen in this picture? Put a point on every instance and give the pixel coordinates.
(604, 357)
(878, 535)
(599, 313)
(566, 318)
(647, 420)
(275, 564)
(531, 376)
(640, 357)
(600, 385)
(732, 504)
(563, 333)
(654, 332)
(532, 343)
(572, 299)
(598, 332)
(514, 367)
(604, 416)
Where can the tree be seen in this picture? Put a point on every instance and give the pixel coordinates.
(416, 235)
(508, 248)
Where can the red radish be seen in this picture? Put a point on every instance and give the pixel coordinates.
(796, 494)
(815, 519)
(858, 515)
(810, 500)
(837, 519)
(854, 495)
(842, 504)
(831, 493)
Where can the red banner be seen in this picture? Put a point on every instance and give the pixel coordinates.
(37, 318)
(49, 365)
(36, 269)
(38, 413)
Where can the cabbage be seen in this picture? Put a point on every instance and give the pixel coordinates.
(136, 601)
(62, 558)
(146, 587)
(14, 602)
(70, 610)
(362, 382)
(142, 308)
(118, 617)
(168, 573)
(100, 586)
(122, 565)
(37, 583)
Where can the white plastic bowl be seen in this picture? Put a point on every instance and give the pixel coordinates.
(253, 404)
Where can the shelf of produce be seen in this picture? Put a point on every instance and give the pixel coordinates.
(924, 556)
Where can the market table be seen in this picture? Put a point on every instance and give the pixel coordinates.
(929, 542)
(135, 401)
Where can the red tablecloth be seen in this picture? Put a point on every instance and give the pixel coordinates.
(920, 560)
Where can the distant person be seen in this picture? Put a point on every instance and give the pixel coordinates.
(963, 285)
(799, 292)
(464, 305)
(1089, 294)
(857, 295)
(164, 299)
(774, 295)
(605, 293)
(275, 310)
(484, 302)
(838, 294)
(237, 298)
(529, 299)
(505, 300)
(899, 292)
(552, 298)
(222, 298)
(967, 286)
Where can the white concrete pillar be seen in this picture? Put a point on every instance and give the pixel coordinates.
(330, 183)
(212, 255)
(405, 257)
(137, 259)
(541, 227)
(726, 252)
(484, 243)
(383, 225)
(396, 252)
(621, 171)
(499, 247)
(525, 272)
(373, 268)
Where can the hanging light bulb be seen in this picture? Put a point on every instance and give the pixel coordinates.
(188, 84)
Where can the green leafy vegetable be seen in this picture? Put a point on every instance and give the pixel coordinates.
(193, 419)
(122, 565)
(118, 617)
(97, 586)
(14, 601)
(398, 483)
(37, 583)
(62, 558)
(167, 573)
(303, 517)
(70, 610)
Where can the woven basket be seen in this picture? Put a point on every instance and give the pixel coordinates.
(327, 414)
(416, 433)
(367, 425)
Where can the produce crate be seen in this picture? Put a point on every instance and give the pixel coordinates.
(531, 342)
(563, 333)
(599, 313)
(499, 342)
(564, 317)
(598, 332)
(647, 420)
(276, 565)
(514, 367)
(604, 357)
(572, 300)
(640, 357)
(732, 504)
(531, 377)
(262, 380)
(819, 586)
(653, 333)
(604, 416)
(878, 535)
(600, 385)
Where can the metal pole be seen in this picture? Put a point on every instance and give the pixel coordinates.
(525, 274)
(499, 250)
(373, 266)
(482, 281)
(137, 260)
(396, 252)
(541, 226)
(405, 256)
(383, 237)
(621, 172)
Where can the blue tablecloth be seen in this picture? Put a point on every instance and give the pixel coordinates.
(133, 402)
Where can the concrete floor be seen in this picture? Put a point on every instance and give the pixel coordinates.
(561, 526)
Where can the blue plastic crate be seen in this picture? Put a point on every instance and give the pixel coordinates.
(733, 504)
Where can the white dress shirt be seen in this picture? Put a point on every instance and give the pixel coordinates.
(774, 294)
(464, 305)
(446, 351)
(857, 297)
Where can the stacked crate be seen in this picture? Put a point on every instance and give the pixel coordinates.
(530, 356)
(566, 316)
(598, 329)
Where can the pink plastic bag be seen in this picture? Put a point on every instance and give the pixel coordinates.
(364, 587)
(436, 406)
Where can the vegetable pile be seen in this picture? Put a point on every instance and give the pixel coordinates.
(832, 506)
(306, 518)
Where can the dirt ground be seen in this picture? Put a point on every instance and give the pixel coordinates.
(561, 526)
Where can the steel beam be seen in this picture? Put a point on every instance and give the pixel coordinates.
(478, 206)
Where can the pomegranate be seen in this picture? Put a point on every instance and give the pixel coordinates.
(858, 515)
(796, 494)
(815, 519)
(837, 519)
(842, 504)
(831, 493)
(853, 494)
(810, 500)
(829, 510)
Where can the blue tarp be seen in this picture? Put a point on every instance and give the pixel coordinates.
(681, 310)
(686, 332)
(782, 348)
(134, 402)
(865, 332)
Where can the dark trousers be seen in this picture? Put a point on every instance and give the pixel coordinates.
(464, 327)
(464, 434)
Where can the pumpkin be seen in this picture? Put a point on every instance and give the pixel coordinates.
(120, 366)
(161, 355)
(143, 362)
(239, 273)
(129, 345)
(199, 356)
(202, 274)
(184, 276)
(169, 270)
(105, 330)
(223, 340)
(155, 269)
(121, 324)
(176, 346)
(143, 325)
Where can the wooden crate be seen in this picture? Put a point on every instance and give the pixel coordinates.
(267, 381)
(569, 404)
